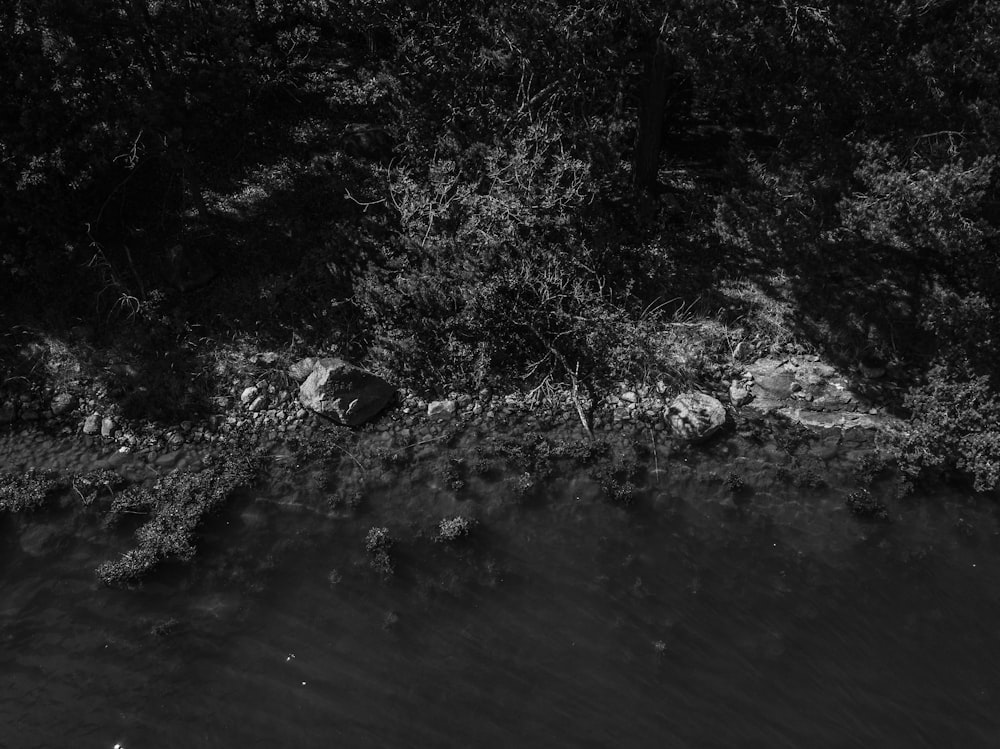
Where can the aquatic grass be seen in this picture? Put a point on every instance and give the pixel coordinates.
(28, 491)
(863, 503)
(176, 504)
(378, 543)
(451, 530)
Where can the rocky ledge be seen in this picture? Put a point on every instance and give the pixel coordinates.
(808, 391)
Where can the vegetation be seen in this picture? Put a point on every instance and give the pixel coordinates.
(506, 194)
(27, 491)
(173, 509)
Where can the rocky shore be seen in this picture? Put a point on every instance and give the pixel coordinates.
(281, 401)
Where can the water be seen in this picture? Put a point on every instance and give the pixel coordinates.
(687, 620)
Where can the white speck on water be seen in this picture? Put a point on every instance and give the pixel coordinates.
(291, 656)
(303, 683)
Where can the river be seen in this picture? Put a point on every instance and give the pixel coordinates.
(691, 618)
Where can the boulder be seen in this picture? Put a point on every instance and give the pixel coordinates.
(63, 403)
(695, 416)
(343, 392)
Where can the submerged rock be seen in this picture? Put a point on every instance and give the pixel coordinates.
(345, 393)
(695, 416)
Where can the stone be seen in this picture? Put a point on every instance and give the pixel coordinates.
(629, 396)
(92, 424)
(302, 368)
(739, 393)
(258, 404)
(441, 410)
(695, 416)
(248, 394)
(108, 427)
(776, 384)
(345, 393)
(63, 403)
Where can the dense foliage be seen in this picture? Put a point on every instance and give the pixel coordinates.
(469, 193)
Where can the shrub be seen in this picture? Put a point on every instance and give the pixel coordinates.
(954, 425)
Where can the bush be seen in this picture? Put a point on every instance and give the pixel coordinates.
(954, 425)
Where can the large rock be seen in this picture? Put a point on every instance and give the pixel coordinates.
(347, 394)
(695, 416)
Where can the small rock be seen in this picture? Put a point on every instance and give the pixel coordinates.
(441, 410)
(739, 393)
(63, 403)
(108, 427)
(92, 424)
(630, 397)
(248, 394)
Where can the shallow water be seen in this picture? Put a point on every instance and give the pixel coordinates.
(686, 620)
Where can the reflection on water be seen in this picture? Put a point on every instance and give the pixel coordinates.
(687, 620)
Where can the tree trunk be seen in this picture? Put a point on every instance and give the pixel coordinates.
(646, 155)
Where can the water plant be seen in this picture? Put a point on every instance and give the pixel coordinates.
(175, 505)
(864, 504)
(453, 529)
(378, 544)
(734, 482)
(27, 491)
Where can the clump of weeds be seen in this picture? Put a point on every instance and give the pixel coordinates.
(864, 504)
(452, 530)
(27, 491)
(378, 544)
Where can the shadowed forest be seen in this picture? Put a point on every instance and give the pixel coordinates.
(505, 194)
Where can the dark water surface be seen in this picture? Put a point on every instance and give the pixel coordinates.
(687, 620)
